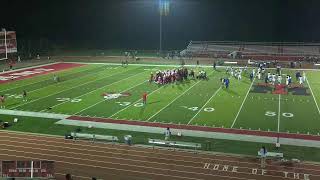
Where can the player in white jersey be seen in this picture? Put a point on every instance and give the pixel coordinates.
(300, 80)
(287, 80)
(239, 76)
(259, 75)
(273, 78)
(279, 79)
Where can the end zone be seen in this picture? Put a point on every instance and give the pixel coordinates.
(35, 71)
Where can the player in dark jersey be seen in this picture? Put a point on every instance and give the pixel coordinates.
(24, 95)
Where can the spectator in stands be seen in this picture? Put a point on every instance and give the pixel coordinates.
(263, 154)
(167, 134)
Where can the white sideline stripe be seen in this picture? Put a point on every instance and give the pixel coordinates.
(104, 99)
(33, 114)
(187, 65)
(279, 111)
(313, 96)
(235, 119)
(113, 163)
(31, 67)
(93, 91)
(134, 102)
(66, 89)
(205, 105)
(173, 100)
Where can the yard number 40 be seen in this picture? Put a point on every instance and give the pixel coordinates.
(271, 113)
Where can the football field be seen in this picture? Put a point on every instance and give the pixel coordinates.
(115, 92)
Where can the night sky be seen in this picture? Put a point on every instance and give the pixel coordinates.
(135, 23)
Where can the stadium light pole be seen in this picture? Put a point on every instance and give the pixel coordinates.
(163, 11)
(160, 35)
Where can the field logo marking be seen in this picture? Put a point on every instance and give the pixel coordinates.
(109, 85)
(244, 100)
(313, 96)
(207, 109)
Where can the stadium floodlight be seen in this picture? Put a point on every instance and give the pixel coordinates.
(164, 7)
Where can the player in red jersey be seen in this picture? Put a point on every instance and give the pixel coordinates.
(144, 98)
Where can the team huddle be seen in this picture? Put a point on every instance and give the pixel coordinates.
(176, 75)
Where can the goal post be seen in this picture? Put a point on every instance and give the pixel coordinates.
(8, 43)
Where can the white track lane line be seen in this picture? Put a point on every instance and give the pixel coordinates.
(235, 119)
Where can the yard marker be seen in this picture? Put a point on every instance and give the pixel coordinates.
(318, 134)
(235, 119)
(313, 96)
(259, 129)
(288, 131)
(173, 100)
(249, 128)
(308, 133)
(222, 126)
(240, 127)
(298, 132)
(268, 130)
(204, 105)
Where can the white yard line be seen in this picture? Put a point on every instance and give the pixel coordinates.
(134, 102)
(244, 100)
(205, 104)
(105, 100)
(313, 96)
(279, 111)
(95, 90)
(65, 90)
(173, 100)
